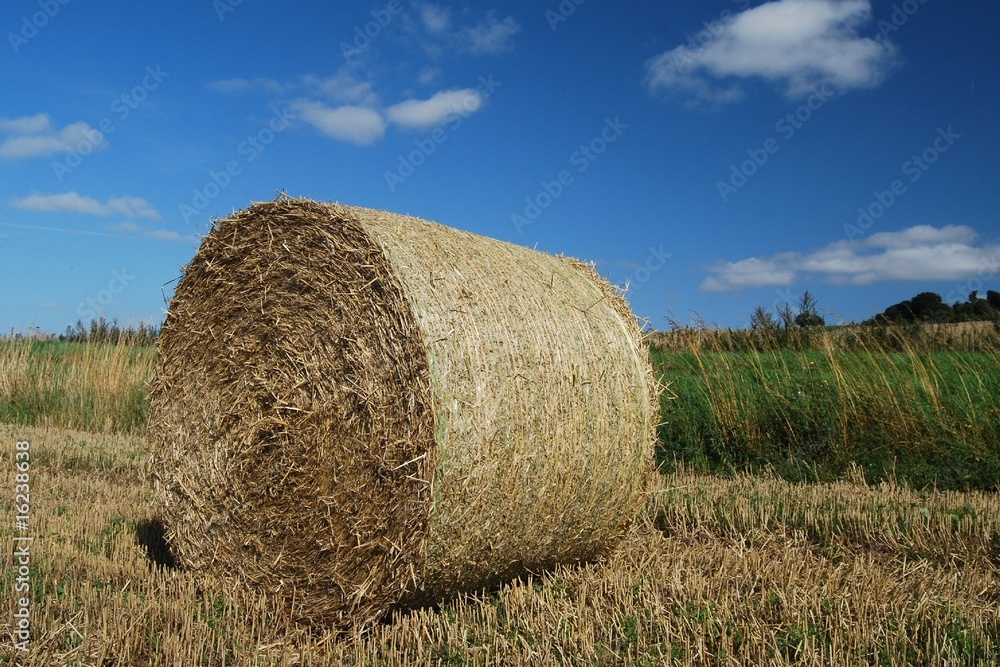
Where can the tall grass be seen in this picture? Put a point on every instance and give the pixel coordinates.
(921, 404)
(810, 406)
(98, 387)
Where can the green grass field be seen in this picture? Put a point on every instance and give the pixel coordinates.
(930, 418)
(895, 406)
(738, 568)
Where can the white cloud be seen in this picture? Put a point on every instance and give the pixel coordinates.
(344, 107)
(436, 19)
(248, 85)
(429, 75)
(922, 252)
(435, 31)
(358, 125)
(490, 36)
(125, 227)
(430, 112)
(343, 86)
(37, 124)
(133, 207)
(131, 228)
(72, 202)
(796, 44)
(35, 136)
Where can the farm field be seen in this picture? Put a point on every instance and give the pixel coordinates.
(719, 569)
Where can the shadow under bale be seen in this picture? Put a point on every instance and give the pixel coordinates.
(151, 535)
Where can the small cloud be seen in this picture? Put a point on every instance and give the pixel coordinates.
(133, 207)
(40, 123)
(420, 114)
(435, 19)
(165, 235)
(248, 85)
(36, 136)
(343, 86)
(922, 252)
(125, 227)
(490, 36)
(434, 31)
(796, 44)
(429, 75)
(358, 125)
(133, 229)
(71, 202)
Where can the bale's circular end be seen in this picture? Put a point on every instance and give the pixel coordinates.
(290, 414)
(354, 410)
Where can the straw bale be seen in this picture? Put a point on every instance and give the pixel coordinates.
(355, 410)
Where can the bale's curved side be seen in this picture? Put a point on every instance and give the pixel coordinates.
(543, 403)
(355, 409)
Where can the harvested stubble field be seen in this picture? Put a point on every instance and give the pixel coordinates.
(718, 570)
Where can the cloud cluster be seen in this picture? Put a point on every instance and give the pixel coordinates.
(71, 202)
(437, 32)
(922, 252)
(344, 105)
(795, 44)
(36, 136)
(126, 207)
(365, 125)
(421, 114)
(133, 229)
(346, 108)
(342, 87)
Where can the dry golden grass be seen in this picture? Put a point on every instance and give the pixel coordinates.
(97, 387)
(741, 571)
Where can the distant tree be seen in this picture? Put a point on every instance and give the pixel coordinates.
(102, 331)
(924, 307)
(974, 310)
(809, 312)
(763, 321)
(993, 298)
(787, 316)
(806, 320)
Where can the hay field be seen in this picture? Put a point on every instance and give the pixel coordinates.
(718, 571)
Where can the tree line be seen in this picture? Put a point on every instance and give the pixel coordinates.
(926, 307)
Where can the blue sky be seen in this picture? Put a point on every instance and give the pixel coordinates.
(714, 155)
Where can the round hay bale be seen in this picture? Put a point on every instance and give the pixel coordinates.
(355, 410)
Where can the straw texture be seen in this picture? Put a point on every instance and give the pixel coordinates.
(355, 410)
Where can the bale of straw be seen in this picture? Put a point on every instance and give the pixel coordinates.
(355, 410)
